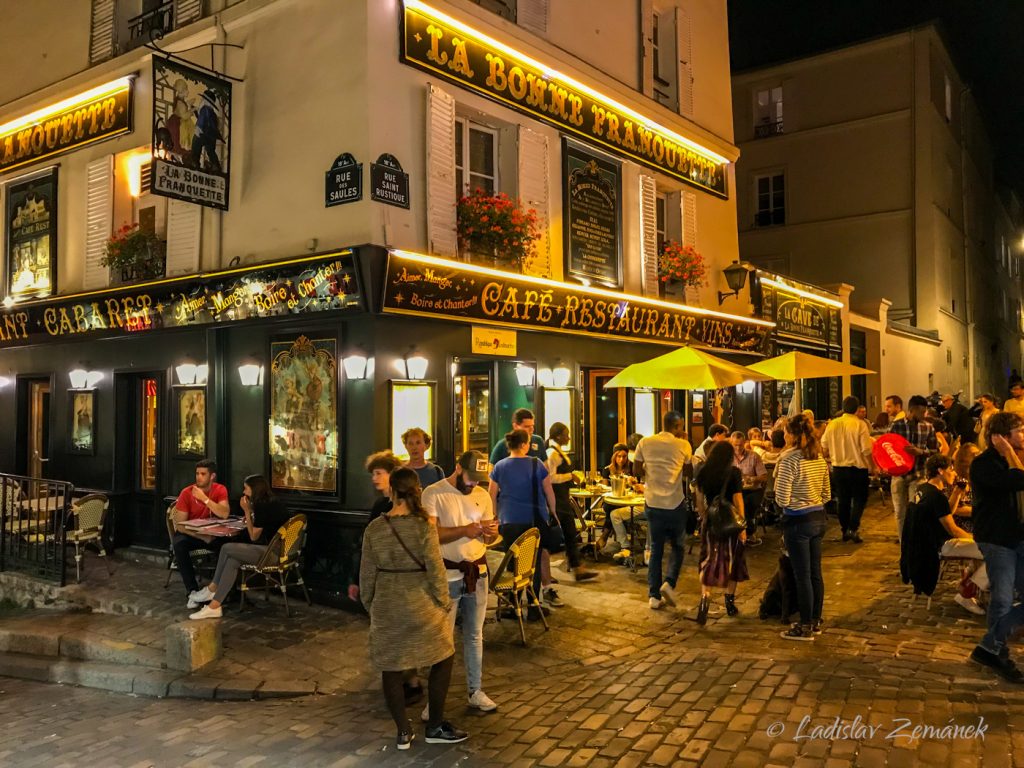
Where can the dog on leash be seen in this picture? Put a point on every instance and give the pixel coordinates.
(780, 596)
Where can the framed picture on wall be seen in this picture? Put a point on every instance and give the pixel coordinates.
(191, 421)
(303, 431)
(82, 418)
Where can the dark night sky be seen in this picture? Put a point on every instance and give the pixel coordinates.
(986, 38)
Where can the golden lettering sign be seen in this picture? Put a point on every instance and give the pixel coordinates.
(471, 61)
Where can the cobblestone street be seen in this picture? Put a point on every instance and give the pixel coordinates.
(612, 683)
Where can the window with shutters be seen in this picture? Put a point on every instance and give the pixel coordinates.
(504, 8)
(660, 202)
(476, 158)
(768, 111)
(664, 45)
(770, 200)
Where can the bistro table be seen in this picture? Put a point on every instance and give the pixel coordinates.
(214, 526)
(632, 500)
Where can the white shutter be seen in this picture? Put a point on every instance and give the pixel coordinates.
(685, 46)
(649, 234)
(101, 32)
(534, 193)
(187, 11)
(690, 237)
(441, 225)
(647, 45)
(183, 226)
(533, 15)
(99, 219)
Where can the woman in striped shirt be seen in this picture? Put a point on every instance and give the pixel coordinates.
(802, 488)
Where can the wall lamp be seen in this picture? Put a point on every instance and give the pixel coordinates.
(355, 366)
(412, 367)
(525, 375)
(735, 278)
(746, 387)
(250, 374)
(83, 379)
(557, 378)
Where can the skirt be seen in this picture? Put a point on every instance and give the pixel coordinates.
(722, 560)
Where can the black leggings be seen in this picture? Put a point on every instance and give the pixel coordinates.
(437, 691)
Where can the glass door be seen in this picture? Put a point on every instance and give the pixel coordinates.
(472, 413)
(148, 434)
(606, 418)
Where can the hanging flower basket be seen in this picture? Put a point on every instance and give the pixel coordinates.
(680, 267)
(495, 230)
(137, 254)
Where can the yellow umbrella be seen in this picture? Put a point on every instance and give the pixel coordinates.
(684, 368)
(799, 365)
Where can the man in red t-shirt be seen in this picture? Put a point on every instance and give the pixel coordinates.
(196, 502)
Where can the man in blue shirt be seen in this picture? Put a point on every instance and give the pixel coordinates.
(521, 419)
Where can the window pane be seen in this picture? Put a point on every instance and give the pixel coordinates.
(481, 152)
(763, 185)
(762, 98)
(147, 436)
(460, 190)
(458, 145)
(779, 182)
(481, 182)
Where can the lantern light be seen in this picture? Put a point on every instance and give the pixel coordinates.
(355, 366)
(525, 374)
(250, 374)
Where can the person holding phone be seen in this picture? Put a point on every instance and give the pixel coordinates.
(264, 514)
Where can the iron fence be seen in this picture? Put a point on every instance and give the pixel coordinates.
(34, 514)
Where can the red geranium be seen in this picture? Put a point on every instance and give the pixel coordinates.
(496, 225)
(681, 263)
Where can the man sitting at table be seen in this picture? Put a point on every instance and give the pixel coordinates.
(198, 501)
(755, 478)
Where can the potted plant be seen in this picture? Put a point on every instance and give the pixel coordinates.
(137, 253)
(495, 230)
(680, 267)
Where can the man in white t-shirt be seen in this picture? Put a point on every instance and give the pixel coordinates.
(659, 463)
(464, 517)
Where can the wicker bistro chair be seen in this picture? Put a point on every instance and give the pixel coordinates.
(282, 559)
(89, 515)
(585, 528)
(513, 579)
(202, 559)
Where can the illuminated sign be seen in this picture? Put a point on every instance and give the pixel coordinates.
(294, 287)
(100, 113)
(444, 46)
(798, 313)
(429, 286)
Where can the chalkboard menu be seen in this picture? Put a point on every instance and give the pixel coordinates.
(592, 187)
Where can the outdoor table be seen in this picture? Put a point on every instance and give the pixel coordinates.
(215, 527)
(632, 501)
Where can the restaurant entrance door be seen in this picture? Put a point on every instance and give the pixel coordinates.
(605, 422)
(137, 469)
(472, 410)
(33, 440)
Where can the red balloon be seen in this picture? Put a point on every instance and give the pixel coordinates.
(890, 452)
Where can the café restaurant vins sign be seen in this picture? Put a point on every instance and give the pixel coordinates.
(469, 59)
(294, 287)
(428, 286)
(100, 113)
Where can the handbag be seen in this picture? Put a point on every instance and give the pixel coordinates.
(422, 566)
(552, 538)
(723, 518)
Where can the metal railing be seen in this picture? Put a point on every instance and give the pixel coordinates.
(151, 25)
(34, 515)
(764, 130)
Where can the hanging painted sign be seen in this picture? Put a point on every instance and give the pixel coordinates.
(31, 226)
(592, 187)
(294, 287)
(100, 113)
(344, 182)
(191, 134)
(429, 286)
(798, 315)
(456, 52)
(388, 182)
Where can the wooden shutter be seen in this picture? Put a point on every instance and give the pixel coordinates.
(685, 67)
(533, 15)
(101, 32)
(187, 11)
(534, 193)
(649, 234)
(647, 47)
(690, 238)
(441, 225)
(184, 221)
(99, 219)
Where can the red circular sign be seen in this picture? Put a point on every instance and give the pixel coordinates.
(890, 452)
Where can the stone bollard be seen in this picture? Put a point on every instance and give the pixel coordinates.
(193, 644)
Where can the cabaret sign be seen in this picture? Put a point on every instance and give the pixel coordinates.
(467, 58)
(428, 286)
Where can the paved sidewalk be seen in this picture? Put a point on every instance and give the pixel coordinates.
(612, 683)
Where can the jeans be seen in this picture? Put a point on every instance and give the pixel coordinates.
(1005, 567)
(752, 500)
(229, 561)
(619, 517)
(803, 534)
(903, 488)
(183, 544)
(665, 525)
(474, 611)
(851, 486)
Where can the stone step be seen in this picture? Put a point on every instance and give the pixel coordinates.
(37, 639)
(143, 680)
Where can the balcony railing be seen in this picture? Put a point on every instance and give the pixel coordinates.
(151, 25)
(764, 130)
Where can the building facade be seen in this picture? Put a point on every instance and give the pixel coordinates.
(870, 165)
(304, 297)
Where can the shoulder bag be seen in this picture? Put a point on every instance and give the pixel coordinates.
(422, 566)
(551, 536)
(723, 518)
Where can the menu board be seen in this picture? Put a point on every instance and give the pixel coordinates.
(593, 213)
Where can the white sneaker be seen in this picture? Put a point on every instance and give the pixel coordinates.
(203, 595)
(969, 604)
(655, 603)
(206, 612)
(668, 593)
(480, 700)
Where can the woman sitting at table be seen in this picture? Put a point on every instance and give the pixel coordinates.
(613, 540)
(264, 514)
(620, 463)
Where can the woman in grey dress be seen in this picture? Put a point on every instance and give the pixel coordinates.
(404, 588)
